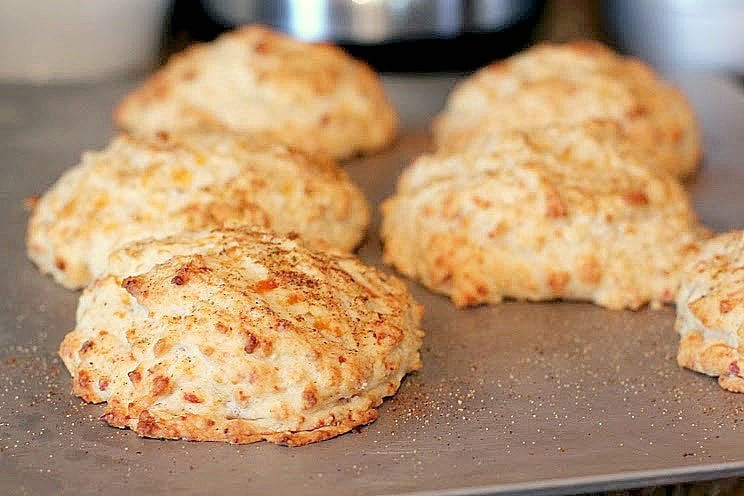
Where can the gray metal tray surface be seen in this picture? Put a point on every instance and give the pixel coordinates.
(516, 398)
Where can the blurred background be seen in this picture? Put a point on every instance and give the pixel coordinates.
(89, 39)
(457, 35)
(118, 41)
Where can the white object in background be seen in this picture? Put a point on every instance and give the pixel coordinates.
(681, 34)
(76, 40)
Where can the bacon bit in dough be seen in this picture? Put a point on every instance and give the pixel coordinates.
(160, 385)
(87, 346)
(636, 198)
(83, 379)
(252, 344)
(265, 285)
(309, 398)
(195, 266)
(132, 286)
(192, 398)
(135, 376)
(725, 306)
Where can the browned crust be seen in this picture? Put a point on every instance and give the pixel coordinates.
(712, 358)
(709, 311)
(235, 431)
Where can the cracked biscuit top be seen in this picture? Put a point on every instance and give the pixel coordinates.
(241, 335)
(153, 186)
(569, 84)
(557, 212)
(312, 96)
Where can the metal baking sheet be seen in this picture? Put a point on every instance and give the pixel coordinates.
(515, 398)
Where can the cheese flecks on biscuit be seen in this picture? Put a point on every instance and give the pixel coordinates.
(241, 335)
(557, 212)
(141, 187)
(573, 83)
(312, 96)
(710, 311)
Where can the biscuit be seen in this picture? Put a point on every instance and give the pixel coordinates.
(569, 84)
(241, 335)
(557, 212)
(311, 96)
(710, 311)
(147, 186)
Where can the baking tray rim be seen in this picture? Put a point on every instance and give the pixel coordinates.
(600, 483)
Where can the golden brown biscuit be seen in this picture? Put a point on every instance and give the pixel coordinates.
(239, 336)
(710, 311)
(558, 212)
(312, 96)
(141, 187)
(569, 84)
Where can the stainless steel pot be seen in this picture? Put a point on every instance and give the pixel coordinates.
(375, 21)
